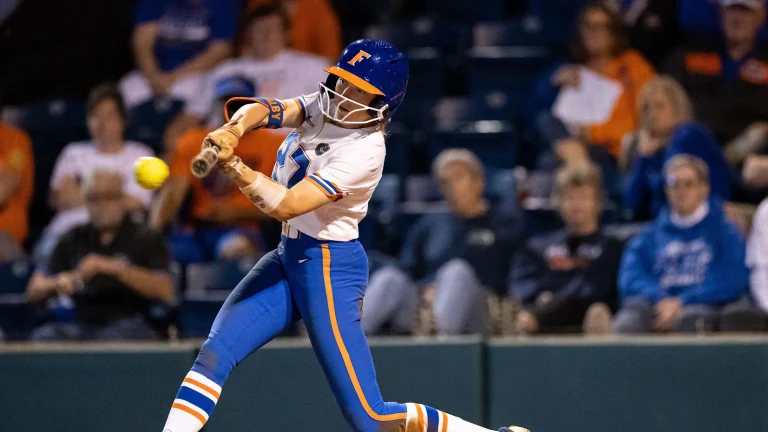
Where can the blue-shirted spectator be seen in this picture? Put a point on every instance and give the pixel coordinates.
(666, 129)
(450, 258)
(683, 269)
(174, 42)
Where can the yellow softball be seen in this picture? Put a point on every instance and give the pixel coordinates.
(150, 172)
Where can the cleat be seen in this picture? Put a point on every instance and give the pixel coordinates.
(513, 429)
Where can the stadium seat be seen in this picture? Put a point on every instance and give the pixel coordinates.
(198, 313)
(526, 31)
(506, 69)
(467, 10)
(147, 122)
(559, 13)
(217, 276)
(16, 316)
(426, 73)
(494, 142)
(446, 36)
(14, 276)
(377, 230)
(501, 186)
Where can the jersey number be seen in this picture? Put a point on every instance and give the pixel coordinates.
(300, 159)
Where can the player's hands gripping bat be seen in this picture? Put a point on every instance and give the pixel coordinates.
(219, 145)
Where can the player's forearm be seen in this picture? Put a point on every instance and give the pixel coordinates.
(268, 196)
(205, 61)
(251, 116)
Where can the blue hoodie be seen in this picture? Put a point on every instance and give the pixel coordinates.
(644, 186)
(703, 264)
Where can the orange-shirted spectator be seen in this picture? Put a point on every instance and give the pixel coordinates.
(315, 27)
(221, 221)
(600, 46)
(16, 180)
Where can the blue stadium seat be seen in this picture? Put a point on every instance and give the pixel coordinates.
(398, 142)
(447, 36)
(560, 13)
(506, 69)
(14, 276)
(147, 122)
(197, 315)
(526, 31)
(217, 276)
(17, 317)
(467, 10)
(377, 230)
(501, 186)
(494, 142)
(426, 73)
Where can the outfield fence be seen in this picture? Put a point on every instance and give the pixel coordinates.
(570, 384)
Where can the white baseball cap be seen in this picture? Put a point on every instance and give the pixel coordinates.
(752, 4)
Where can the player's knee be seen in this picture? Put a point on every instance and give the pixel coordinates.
(214, 361)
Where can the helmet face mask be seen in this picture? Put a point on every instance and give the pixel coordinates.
(330, 101)
(372, 66)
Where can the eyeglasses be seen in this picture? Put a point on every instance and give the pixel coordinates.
(674, 182)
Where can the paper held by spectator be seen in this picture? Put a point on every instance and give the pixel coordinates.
(589, 104)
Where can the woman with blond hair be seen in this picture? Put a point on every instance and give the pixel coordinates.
(666, 129)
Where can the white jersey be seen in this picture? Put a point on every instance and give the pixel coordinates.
(287, 74)
(343, 163)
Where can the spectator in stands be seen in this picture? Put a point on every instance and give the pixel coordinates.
(106, 150)
(111, 267)
(666, 129)
(314, 26)
(174, 43)
(651, 25)
(451, 259)
(678, 274)
(560, 276)
(16, 178)
(275, 70)
(727, 78)
(600, 46)
(757, 256)
(223, 223)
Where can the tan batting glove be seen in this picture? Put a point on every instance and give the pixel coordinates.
(226, 138)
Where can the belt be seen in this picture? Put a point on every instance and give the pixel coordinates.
(290, 232)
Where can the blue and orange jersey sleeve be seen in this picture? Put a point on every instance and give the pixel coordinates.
(329, 188)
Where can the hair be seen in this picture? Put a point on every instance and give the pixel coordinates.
(686, 160)
(676, 94)
(105, 92)
(615, 27)
(469, 159)
(578, 175)
(269, 9)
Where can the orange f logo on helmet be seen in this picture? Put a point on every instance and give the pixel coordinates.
(359, 57)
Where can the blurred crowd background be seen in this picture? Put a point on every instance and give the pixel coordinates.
(503, 210)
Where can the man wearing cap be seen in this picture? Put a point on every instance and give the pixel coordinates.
(727, 77)
(221, 222)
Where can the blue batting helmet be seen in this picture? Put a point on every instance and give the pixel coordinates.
(376, 67)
